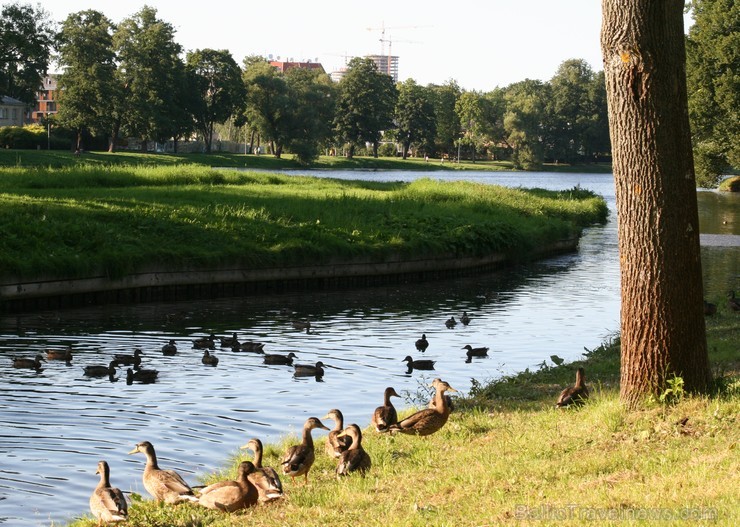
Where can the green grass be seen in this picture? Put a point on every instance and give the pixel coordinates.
(506, 455)
(59, 158)
(114, 220)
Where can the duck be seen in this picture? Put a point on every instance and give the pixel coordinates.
(451, 322)
(169, 349)
(128, 359)
(97, 370)
(25, 362)
(732, 302)
(302, 325)
(280, 359)
(354, 459)
(230, 342)
(250, 346)
(205, 342)
(266, 479)
(465, 319)
(574, 395)
(231, 495)
(164, 485)
(475, 352)
(709, 308)
(208, 359)
(448, 399)
(298, 459)
(308, 370)
(107, 503)
(65, 355)
(422, 344)
(429, 420)
(419, 364)
(385, 415)
(335, 444)
(143, 376)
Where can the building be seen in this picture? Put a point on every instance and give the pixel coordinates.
(12, 111)
(339, 74)
(387, 64)
(284, 66)
(46, 97)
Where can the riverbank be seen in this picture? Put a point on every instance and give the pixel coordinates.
(109, 224)
(507, 455)
(59, 159)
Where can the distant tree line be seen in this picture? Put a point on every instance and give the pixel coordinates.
(131, 81)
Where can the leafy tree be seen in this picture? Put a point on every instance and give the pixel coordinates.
(448, 122)
(569, 109)
(474, 112)
(415, 117)
(596, 132)
(151, 74)
(88, 82)
(713, 74)
(26, 37)
(268, 103)
(312, 95)
(216, 83)
(365, 105)
(494, 123)
(662, 321)
(525, 122)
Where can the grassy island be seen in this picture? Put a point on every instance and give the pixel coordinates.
(113, 220)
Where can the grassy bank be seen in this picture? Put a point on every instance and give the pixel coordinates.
(507, 456)
(87, 220)
(58, 159)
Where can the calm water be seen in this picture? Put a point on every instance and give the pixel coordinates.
(56, 425)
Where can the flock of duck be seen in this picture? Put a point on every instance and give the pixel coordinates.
(256, 483)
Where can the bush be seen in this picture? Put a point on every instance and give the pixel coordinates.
(27, 137)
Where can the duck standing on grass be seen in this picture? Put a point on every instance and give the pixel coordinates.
(107, 503)
(266, 479)
(574, 395)
(354, 459)
(386, 415)
(336, 442)
(164, 485)
(231, 495)
(732, 302)
(298, 459)
(429, 420)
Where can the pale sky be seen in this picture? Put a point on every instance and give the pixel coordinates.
(479, 43)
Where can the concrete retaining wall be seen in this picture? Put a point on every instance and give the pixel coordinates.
(163, 285)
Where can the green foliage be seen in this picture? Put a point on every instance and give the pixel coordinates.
(26, 35)
(32, 136)
(713, 78)
(674, 390)
(414, 117)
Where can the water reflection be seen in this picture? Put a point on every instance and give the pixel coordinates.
(57, 424)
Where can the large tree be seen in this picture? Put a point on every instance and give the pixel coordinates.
(448, 122)
(88, 82)
(26, 37)
(662, 322)
(365, 105)
(415, 117)
(268, 103)
(525, 122)
(713, 71)
(151, 73)
(217, 86)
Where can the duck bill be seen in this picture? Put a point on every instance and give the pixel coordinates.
(134, 451)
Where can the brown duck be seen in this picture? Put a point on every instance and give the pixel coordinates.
(65, 355)
(354, 459)
(429, 420)
(574, 395)
(266, 479)
(165, 485)
(25, 362)
(231, 495)
(385, 415)
(336, 443)
(107, 503)
(298, 459)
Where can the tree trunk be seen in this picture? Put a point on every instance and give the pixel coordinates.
(662, 321)
(350, 152)
(143, 146)
(114, 136)
(251, 142)
(375, 149)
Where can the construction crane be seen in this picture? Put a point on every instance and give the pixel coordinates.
(383, 28)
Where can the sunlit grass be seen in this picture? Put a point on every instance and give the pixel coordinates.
(115, 220)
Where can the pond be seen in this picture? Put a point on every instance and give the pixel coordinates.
(58, 423)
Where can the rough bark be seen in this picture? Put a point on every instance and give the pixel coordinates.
(662, 322)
